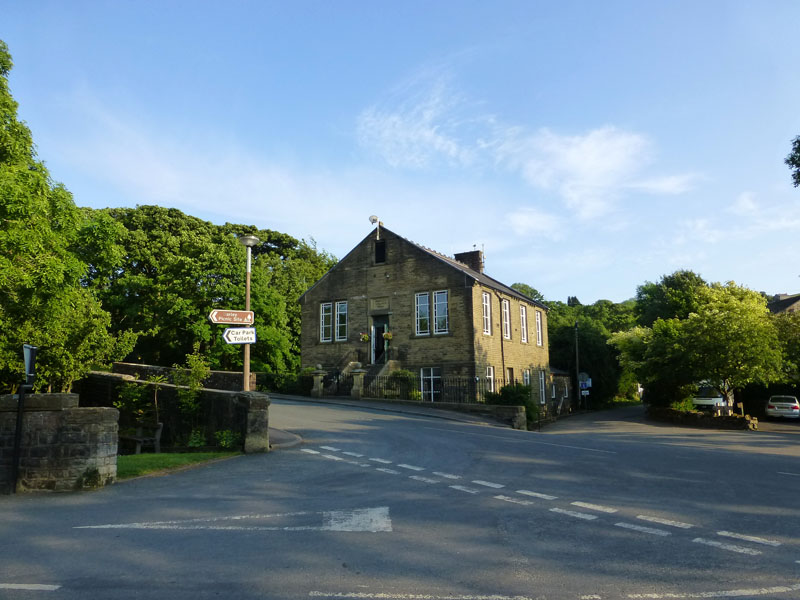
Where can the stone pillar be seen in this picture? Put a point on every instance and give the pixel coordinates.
(256, 436)
(317, 390)
(358, 383)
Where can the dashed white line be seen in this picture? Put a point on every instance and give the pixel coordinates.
(390, 596)
(31, 587)
(381, 460)
(330, 448)
(331, 456)
(446, 475)
(410, 467)
(353, 454)
(513, 500)
(496, 486)
(778, 589)
(792, 474)
(641, 529)
(309, 451)
(462, 488)
(661, 521)
(390, 471)
(749, 538)
(536, 495)
(423, 479)
(597, 507)
(729, 547)
(573, 513)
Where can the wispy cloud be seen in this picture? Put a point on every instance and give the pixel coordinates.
(537, 223)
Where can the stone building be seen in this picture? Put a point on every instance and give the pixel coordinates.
(393, 304)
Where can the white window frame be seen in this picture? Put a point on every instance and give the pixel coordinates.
(433, 375)
(326, 322)
(553, 394)
(417, 298)
(541, 387)
(526, 376)
(523, 323)
(539, 337)
(436, 310)
(490, 378)
(487, 313)
(341, 321)
(506, 314)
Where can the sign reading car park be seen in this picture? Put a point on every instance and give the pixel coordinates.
(240, 335)
(233, 317)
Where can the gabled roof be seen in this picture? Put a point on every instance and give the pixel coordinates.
(481, 278)
(783, 303)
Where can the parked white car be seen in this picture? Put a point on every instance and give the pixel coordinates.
(783, 406)
(708, 398)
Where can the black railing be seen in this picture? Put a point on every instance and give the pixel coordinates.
(452, 388)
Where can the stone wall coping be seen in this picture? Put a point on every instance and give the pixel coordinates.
(39, 402)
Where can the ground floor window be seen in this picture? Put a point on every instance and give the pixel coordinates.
(430, 379)
(490, 378)
(541, 387)
(526, 377)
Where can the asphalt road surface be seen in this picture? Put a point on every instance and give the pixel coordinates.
(388, 506)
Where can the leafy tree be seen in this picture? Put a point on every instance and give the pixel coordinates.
(42, 301)
(675, 296)
(788, 327)
(530, 292)
(793, 160)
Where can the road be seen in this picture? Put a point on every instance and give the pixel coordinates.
(405, 507)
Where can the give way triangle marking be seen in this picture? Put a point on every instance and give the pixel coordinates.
(371, 520)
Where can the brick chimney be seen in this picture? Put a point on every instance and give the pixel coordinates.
(473, 259)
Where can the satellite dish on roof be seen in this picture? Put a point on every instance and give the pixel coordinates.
(373, 219)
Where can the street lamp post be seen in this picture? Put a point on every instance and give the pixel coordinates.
(249, 241)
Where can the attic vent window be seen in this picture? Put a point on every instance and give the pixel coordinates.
(380, 251)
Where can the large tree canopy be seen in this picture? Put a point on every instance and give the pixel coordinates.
(42, 301)
(675, 296)
(793, 160)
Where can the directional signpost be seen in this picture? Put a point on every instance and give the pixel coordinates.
(240, 335)
(232, 317)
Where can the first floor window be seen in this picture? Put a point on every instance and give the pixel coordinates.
(440, 323)
(341, 321)
(487, 313)
(490, 378)
(539, 340)
(325, 322)
(526, 377)
(423, 313)
(523, 323)
(506, 320)
(541, 387)
(430, 383)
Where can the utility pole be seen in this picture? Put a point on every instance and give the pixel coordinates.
(577, 368)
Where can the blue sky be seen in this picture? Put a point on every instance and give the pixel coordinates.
(587, 147)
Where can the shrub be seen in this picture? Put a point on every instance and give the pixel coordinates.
(516, 394)
(227, 439)
(685, 405)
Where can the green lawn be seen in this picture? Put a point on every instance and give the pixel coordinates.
(133, 465)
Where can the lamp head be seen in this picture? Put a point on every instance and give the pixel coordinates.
(249, 240)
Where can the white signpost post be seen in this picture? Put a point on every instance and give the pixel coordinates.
(240, 335)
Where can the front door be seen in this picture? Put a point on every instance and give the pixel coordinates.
(380, 324)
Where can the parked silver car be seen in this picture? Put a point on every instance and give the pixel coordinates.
(783, 406)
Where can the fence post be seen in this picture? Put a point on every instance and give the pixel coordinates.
(316, 390)
(358, 383)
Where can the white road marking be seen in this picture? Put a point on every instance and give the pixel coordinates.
(513, 500)
(573, 513)
(729, 547)
(361, 519)
(778, 589)
(446, 475)
(536, 495)
(309, 451)
(331, 456)
(792, 474)
(639, 528)
(388, 596)
(597, 507)
(423, 479)
(30, 587)
(665, 522)
(390, 471)
(462, 488)
(496, 486)
(353, 454)
(520, 440)
(749, 538)
(382, 461)
(410, 467)
(330, 448)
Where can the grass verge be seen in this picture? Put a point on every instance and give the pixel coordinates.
(134, 465)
